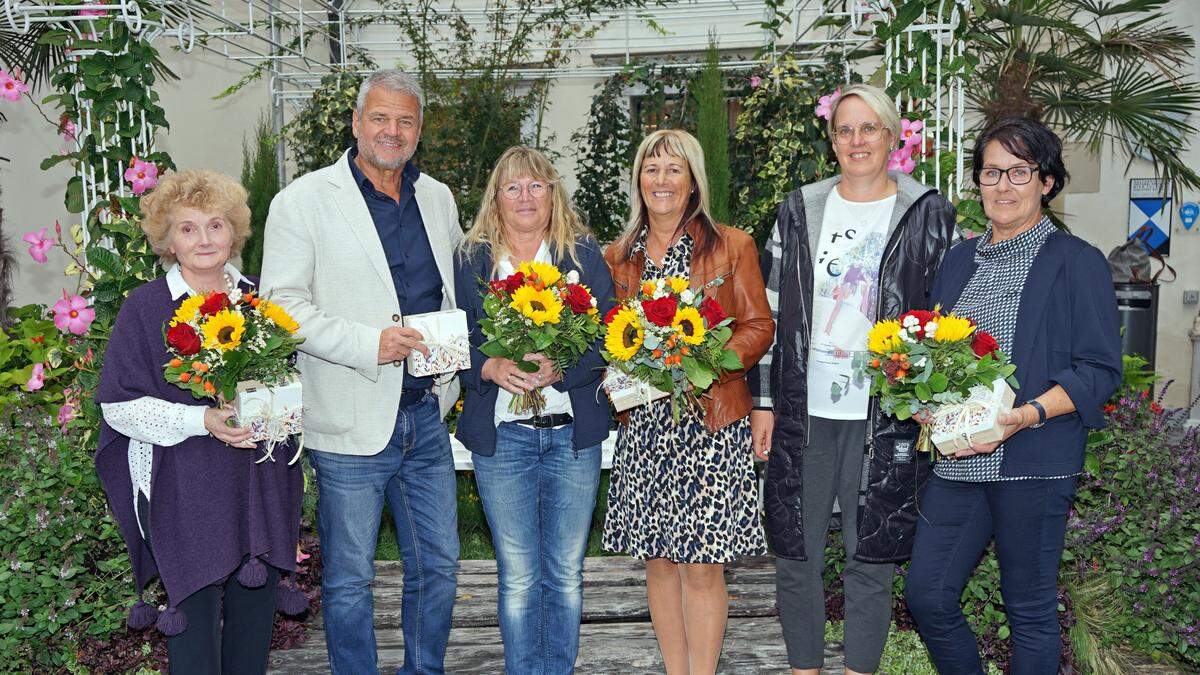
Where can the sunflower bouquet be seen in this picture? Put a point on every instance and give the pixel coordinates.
(671, 338)
(538, 309)
(942, 365)
(238, 349)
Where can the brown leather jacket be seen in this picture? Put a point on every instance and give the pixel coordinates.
(743, 296)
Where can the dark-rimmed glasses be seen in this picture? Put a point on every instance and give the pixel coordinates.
(1017, 175)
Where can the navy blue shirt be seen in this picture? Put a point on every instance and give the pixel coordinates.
(406, 246)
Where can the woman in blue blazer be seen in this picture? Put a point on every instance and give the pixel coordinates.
(1048, 299)
(537, 474)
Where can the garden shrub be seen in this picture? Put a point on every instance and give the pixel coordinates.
(64, 574)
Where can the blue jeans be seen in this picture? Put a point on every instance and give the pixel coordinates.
(415, 474)
(1028, 518)
(538, 493)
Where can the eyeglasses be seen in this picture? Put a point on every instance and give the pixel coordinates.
(537, 190)
(870, 132)
(1017, 175)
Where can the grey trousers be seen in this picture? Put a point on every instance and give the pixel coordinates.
(833, 466)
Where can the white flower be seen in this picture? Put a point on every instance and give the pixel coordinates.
(573, 277)
(593, 301)
(920, 363)
(910, 321)
(931, 328)
(687, 296)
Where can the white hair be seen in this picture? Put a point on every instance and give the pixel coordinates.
(393, 80)
(877, 101)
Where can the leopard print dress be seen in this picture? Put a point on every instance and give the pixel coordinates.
(678, 491)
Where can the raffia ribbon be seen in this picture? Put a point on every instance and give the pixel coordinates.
(278, 426)
(958, 415)
(457, 348)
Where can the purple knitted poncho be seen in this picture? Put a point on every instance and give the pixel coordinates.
(211, 505)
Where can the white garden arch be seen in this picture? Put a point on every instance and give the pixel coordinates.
(296, 42)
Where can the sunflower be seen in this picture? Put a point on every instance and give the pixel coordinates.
(545, 272)
(278, 315)
(624, 336)
(953, 328)
(540, 306)
(187, 310)
(677, 284)
(690, 325)
(224, 330)
(884, 336)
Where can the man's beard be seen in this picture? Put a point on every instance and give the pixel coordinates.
(366, 151)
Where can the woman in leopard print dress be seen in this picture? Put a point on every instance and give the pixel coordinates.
(683, 495)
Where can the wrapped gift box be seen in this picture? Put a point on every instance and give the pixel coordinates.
(446, 337)
(975, 420)
(627, 392)
(271, 413)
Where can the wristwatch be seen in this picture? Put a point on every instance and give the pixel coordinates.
(1041, 414)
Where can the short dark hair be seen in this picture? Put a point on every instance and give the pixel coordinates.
(1030, 140)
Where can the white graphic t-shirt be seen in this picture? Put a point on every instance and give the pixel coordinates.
(845, 300)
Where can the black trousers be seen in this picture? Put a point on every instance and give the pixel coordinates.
(228, 625)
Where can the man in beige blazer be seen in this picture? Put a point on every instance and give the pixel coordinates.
(349, 250)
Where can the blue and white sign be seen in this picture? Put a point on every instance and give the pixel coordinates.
(1189, 213)
(1150, 213)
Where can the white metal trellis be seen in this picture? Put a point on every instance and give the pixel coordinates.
(297, 42)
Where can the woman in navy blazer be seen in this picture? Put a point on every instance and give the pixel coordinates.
(1048, 298)
(537, 474)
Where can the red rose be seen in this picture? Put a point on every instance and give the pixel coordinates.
(514, 281)
(612, 314)
(214, 303)
(983, 343)
(578, 298)
(661, 311)
(183, 339)
(923, 316)
(712, 312)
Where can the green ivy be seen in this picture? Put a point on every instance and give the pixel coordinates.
(784, 145)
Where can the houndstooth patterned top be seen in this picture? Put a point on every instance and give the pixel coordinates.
(991, 299)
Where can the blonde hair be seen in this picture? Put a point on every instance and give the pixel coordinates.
(566, 227)
(210, 191)
(683, 145)
(879, 103)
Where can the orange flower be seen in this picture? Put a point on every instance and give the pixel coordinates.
(657, 353)
(185, 377)
(247, 298)
(200, 366)
(901, 374)
(209, 388)
(254, 302)
(175, 363)
(685, 351)
(647, 289)
(874, 363)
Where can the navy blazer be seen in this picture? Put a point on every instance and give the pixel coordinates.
(477, 425)
(1068, 333)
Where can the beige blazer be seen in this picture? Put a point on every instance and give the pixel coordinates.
(324, 264)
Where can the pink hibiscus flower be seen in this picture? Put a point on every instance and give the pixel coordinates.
(755, 81)
(825, 103)
(910, 132)
(37, 379)
(141, 175)
(39, 245)
(71, 314)
(11, 88)
(901, 160)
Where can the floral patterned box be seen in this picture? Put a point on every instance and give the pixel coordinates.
(445, 335)
(271, 413)
(626, 392)
(958, 425)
